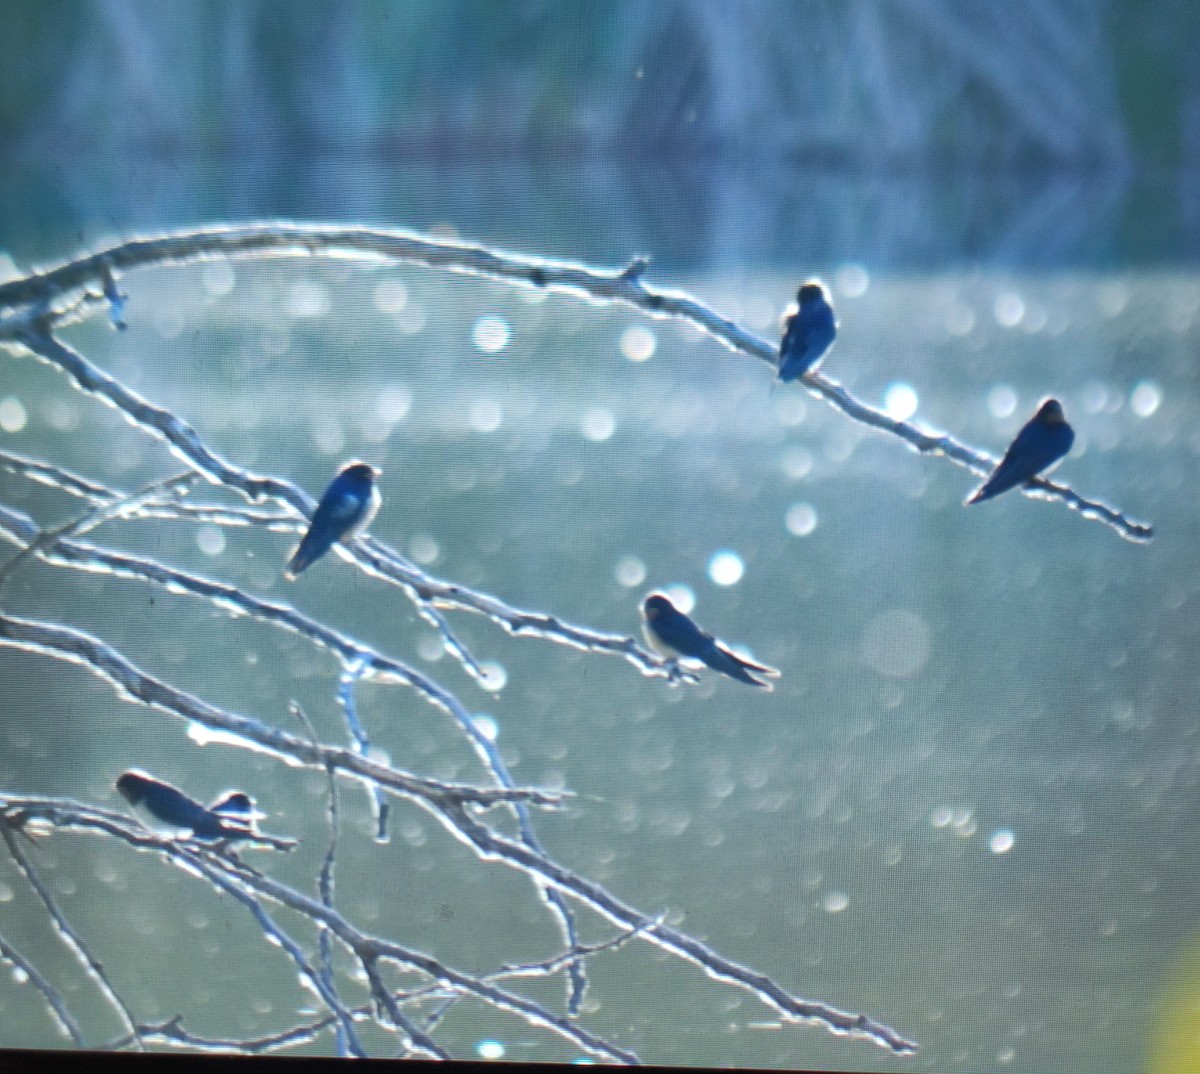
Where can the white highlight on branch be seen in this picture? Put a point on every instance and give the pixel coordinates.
(251, 886)
(369, 554)
(55, 298)
(53, 998)
(37, 299)
(66, 932)
(75, 646)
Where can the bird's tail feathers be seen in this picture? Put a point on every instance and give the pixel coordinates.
(739, 667)
(744, 676)
(302, 559)
(752, 665)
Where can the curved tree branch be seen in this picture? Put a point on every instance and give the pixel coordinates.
(36, 301)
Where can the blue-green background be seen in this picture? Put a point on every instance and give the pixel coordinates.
(948, 675)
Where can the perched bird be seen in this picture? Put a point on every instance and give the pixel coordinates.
(1043, 441)
(345, 510)
(808, 333)
(233, 816)
(671, 633)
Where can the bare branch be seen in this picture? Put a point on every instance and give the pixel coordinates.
(325, 880)
(172, 486)
(75, 646)
(230, 875)
(200, 861)
(493, 846)
(275, 240)
(371, 555)
(53, 998)
(67, 933)
(30, 311)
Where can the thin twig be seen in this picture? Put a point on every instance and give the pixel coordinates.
(64, 643)
(128, 505)
(201, 862)
(495, 847)
(225, 870)
(68, 934)
(625, 286)
(369, 554)
(325, 884)
(52, 996)
(351, 672)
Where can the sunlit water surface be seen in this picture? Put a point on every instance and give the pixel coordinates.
(969, 808)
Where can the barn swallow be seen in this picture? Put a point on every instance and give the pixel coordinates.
(1043, 441)
(671, 633)
(808, 332)
(232, 816)
(345, 510)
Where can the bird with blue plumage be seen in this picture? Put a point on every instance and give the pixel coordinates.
(232, 817)
(809, 330)
(673, 634)
(1042, 443)
(345, 510)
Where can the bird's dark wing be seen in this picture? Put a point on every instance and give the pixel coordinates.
(175, 808)
(793, 347)
(680, 633)
(334, 515)
(791, 335)
(1033, 449)
(746, 662)
(729, 663)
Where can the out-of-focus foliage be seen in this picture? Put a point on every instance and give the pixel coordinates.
(426, 111)
(1059, 79)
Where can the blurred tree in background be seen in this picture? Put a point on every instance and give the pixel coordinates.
(694, 117)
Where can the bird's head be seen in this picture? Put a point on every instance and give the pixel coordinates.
(1051, 413)
(133, 785)
(656, 605)
(238, 805)
(360, 471)
(811, 292)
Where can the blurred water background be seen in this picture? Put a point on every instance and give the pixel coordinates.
(969, 808)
